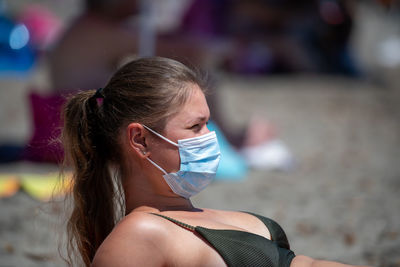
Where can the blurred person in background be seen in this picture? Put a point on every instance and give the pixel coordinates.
(92, 45)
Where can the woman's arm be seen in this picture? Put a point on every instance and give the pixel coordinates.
(304, 261)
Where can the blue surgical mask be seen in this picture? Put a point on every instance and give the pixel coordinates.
(199, 163)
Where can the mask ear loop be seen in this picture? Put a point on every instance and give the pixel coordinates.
(162, 137)
(156, 165)
(165, 139)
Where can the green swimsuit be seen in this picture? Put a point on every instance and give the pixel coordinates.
(239, 248)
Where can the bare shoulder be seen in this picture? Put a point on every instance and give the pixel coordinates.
(137, 240)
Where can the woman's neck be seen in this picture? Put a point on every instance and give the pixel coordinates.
(141, 194)
(158, 203)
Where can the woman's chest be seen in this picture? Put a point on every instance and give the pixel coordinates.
(190, 249)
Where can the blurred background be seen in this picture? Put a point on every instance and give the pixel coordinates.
(305, 98)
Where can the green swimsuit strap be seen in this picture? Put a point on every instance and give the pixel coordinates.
(181, 224)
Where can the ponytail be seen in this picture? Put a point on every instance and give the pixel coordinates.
(93, 215)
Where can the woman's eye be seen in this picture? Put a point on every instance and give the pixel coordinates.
(195, 126)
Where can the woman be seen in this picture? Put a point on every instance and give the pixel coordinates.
(143, 141)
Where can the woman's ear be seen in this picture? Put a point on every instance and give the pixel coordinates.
(137, 139)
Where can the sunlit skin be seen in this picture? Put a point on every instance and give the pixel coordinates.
(142, 239)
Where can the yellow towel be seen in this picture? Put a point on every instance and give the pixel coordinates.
(39, 186)
(46, 186)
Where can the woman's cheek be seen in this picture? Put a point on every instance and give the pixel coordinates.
(169, 159)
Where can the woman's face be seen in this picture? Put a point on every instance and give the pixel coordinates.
(190, 121)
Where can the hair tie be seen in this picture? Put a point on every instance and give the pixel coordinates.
(99, 93)
(99, 96)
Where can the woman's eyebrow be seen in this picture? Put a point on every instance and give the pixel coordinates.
(203, 118)
(198, 119)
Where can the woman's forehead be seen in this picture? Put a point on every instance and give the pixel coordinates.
(194, 108)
